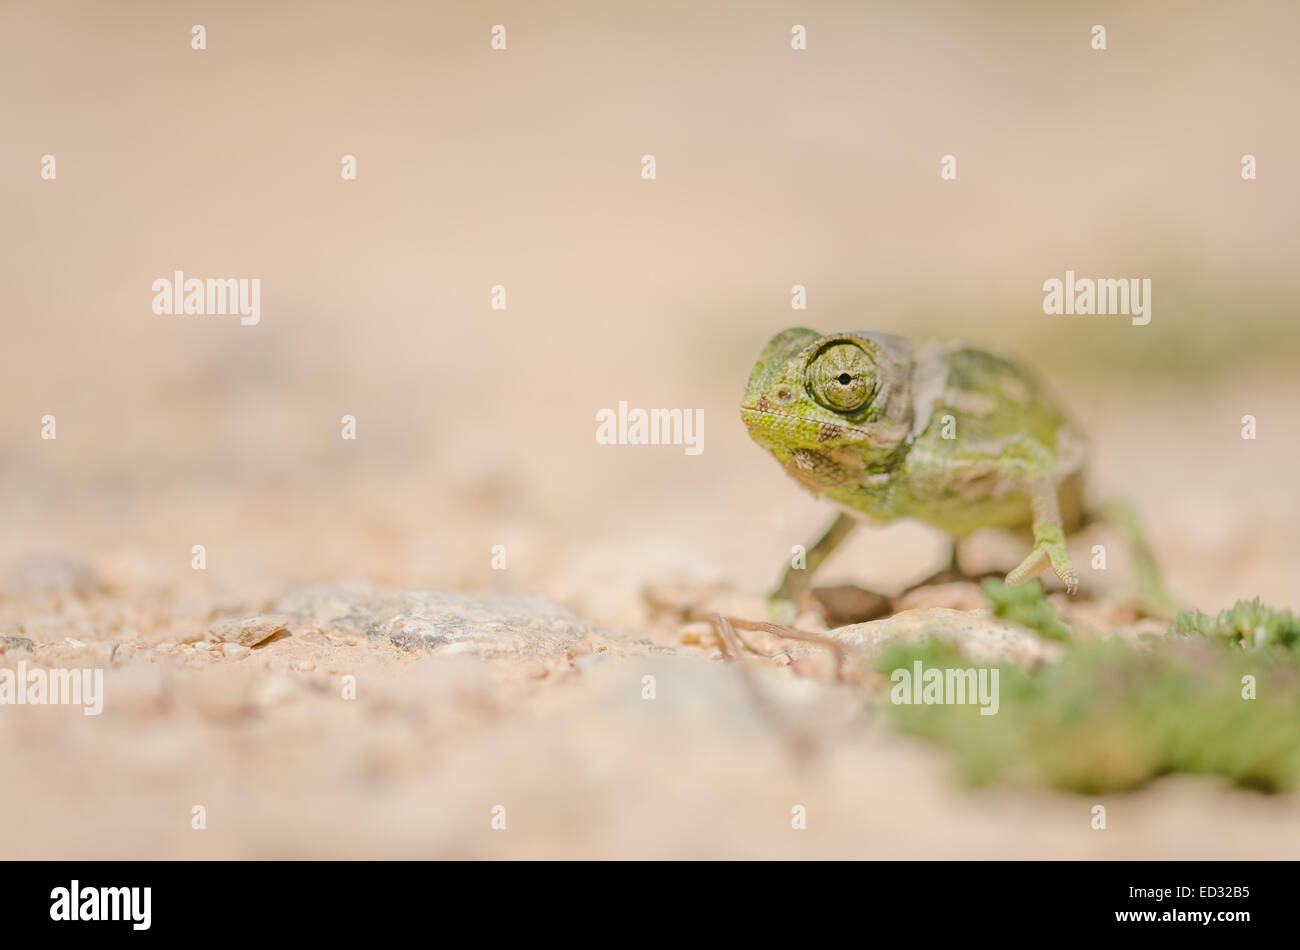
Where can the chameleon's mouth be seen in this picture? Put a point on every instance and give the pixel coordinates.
(762, 423)
(764, 420)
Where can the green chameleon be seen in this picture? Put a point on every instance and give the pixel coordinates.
(952, 436)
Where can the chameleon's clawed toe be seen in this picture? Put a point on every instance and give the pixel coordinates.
(1064, 568)
(1039, 559)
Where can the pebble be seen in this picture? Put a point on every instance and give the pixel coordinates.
(247, 631)
(695, 632)
(849, 603)
(956, 595)
(980, 635)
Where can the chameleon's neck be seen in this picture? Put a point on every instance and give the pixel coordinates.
(892, 411)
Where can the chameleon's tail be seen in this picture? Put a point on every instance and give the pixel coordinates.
(1152, 597)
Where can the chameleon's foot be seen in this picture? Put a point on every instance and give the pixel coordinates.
(1047, 551)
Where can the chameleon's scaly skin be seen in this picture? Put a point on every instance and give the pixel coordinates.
(953, 436)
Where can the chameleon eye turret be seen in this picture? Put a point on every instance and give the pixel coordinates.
(842, 377)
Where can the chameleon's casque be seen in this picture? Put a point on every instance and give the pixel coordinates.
(953, 436)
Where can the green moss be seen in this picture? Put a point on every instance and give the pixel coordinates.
(1111, 717)
(1246, 623)
(1026, 604)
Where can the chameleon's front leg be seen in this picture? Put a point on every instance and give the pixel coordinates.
(797, 582)
(1049, 534)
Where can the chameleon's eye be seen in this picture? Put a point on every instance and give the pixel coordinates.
(842, 377)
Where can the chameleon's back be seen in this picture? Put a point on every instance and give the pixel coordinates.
(978, 421)
(990, 397)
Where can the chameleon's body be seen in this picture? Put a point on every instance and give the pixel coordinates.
(953, 436)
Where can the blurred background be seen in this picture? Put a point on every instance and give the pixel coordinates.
(522, 167)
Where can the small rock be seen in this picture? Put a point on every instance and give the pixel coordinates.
(16, 643)
(849, 603)
(303, 666)
(959, 595)
(983, 637)
(235, 651)
(247, 631)
(695, 632)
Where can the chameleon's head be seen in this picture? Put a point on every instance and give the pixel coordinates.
(832, 406)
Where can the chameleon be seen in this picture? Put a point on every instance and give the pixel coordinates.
(951, 435)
